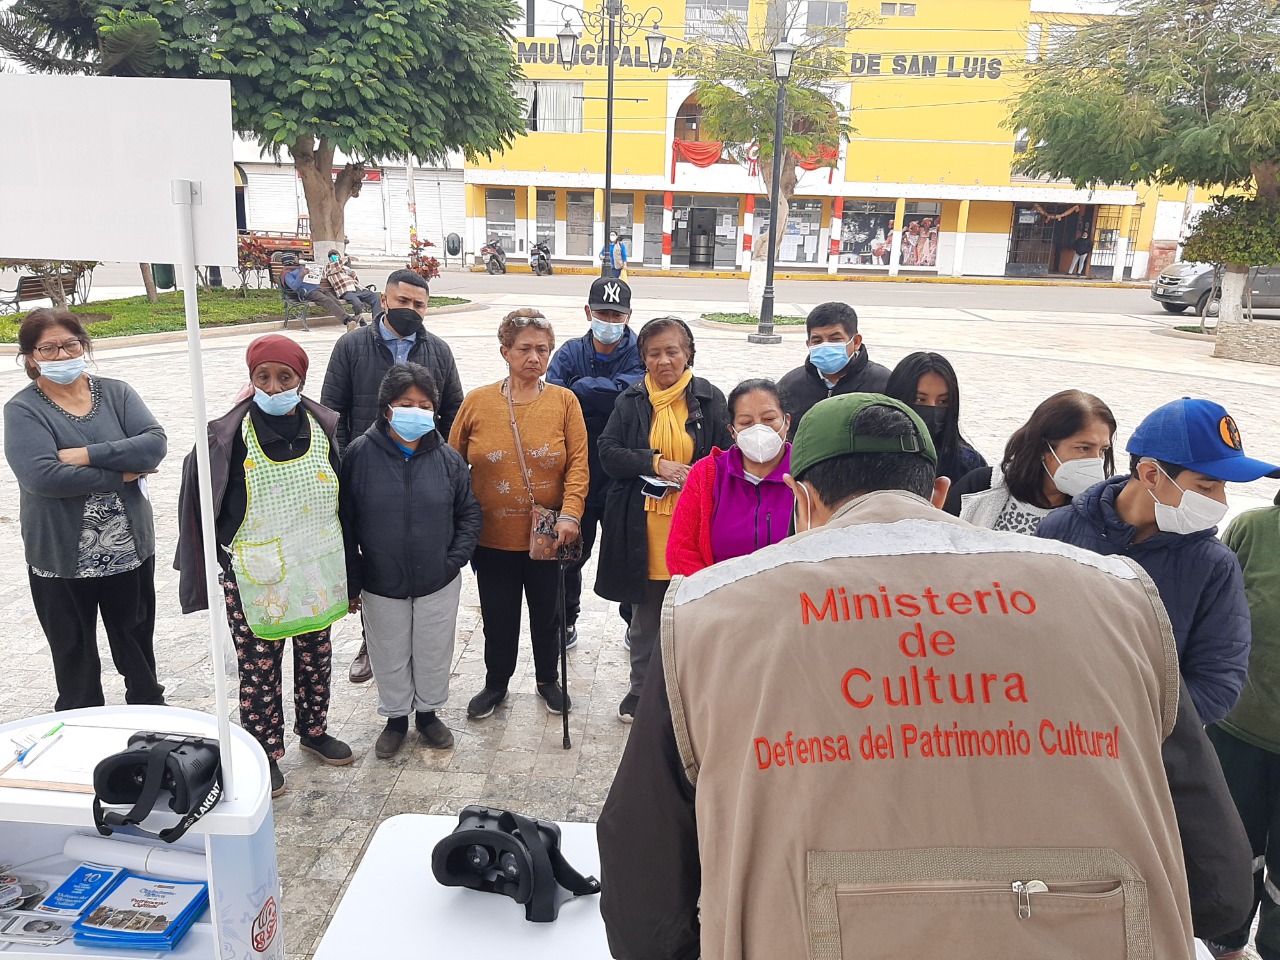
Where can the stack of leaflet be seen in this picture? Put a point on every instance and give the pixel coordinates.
(137, 912)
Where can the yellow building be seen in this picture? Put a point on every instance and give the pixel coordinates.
(925, 186)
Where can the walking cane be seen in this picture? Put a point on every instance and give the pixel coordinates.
(564, 651)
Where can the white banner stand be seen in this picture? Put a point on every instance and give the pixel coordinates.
(155, 185)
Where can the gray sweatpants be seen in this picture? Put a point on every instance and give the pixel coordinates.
(645, 631)
(411, 648)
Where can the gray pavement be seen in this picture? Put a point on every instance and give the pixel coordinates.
(1008, 359)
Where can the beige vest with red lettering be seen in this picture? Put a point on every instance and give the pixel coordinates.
(912, 738)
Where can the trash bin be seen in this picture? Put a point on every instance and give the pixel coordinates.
(702, 250)
(163, 275)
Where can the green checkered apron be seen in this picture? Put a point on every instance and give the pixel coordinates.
(287, 555)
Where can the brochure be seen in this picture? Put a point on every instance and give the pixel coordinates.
(142, 912)
(78, 890)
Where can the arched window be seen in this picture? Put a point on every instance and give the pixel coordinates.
(689, 119)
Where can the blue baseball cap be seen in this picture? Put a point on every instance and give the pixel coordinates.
(1198, 435)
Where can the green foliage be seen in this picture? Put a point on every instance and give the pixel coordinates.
(1174, 91)
(76, 36)
(1236, 230)
(749, 320)
(736, 89)
(378, 79)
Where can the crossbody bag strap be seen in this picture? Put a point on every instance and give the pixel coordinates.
(151, 783)
(515, 431)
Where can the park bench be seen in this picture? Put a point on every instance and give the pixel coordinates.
(293, 306)
(32, 288)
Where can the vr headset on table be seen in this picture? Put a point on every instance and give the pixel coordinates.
(188, 767)
(495, 851)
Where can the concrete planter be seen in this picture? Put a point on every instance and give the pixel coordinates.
(1257, 341)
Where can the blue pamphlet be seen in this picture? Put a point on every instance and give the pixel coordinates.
(78, 890)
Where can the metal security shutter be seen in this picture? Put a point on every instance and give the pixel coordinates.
(366, 221)
(441, 205)
(398, 205)
(271, 196)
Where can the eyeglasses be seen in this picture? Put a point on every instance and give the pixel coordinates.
(50, 351)
(530, 321)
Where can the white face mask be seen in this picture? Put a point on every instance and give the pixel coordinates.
(1194, 512)
(1074, 477)
(759, 442)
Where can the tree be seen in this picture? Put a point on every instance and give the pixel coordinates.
(52, 273)
(376, 80)
(737, 92)
(1172, 91)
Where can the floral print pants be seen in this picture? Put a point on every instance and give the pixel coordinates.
(261, 706)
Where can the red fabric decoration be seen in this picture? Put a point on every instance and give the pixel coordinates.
(699, 153)
(826, 158)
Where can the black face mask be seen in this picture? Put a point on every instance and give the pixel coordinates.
(934, 418)
(405, 322)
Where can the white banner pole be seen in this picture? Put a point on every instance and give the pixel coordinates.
(186, 194)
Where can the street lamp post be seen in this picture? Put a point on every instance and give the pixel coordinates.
(783, 55)
(612, 24)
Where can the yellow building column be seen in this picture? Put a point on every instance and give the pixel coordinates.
(962, 228)
(895, 246)
(474, 238)
(1122, 243)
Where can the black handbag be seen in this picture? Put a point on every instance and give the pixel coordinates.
(496, 851)
(190, 768)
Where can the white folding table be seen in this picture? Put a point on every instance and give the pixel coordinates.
(395, 910)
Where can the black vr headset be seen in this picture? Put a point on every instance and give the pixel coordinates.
(495, 851)
(188, 767)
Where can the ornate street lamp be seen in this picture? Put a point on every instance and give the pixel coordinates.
(784, 54)
(656, 42)
(567, 38)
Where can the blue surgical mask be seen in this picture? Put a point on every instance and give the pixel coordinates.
(607, 333)
(63, 371)
(412, 423)
(830, 358)
(276, 404)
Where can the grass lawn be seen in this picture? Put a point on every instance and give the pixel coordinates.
(134, 315)
(1210, 329)
(747, 319)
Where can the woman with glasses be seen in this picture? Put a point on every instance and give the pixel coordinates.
(659, 427)
(81, 447)
(550, 463)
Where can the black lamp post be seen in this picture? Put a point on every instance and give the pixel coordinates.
(612, 24)
(783, 55)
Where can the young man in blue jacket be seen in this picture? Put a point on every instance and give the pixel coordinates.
(597, 367)
(1164, 516)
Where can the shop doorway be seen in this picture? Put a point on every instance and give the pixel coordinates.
(704, 232)
(1042, 241)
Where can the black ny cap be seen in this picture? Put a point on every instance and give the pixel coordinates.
(610, 294)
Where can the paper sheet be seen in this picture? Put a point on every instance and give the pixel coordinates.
(69, 764)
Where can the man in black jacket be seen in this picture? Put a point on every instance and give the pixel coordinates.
(362, 357)
(837, 363)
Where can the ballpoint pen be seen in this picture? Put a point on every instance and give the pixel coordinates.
(42, 745)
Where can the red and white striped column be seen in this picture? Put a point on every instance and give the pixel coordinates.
(667, 200)
(748, 231)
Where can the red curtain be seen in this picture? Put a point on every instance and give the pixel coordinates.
(826, 158)
(699, 153)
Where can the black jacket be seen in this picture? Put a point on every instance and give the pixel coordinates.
(411, 524)
(648, 835)
(804, 386)
(360, 360)
(224, 438)
(625, 455)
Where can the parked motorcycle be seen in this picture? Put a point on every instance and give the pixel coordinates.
(540, 259)
(495, 258)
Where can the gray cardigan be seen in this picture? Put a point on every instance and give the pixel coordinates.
(121, 437)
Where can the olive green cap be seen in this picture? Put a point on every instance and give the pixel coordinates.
(830, 429)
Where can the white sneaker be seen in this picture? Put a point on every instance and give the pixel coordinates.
(365, 318)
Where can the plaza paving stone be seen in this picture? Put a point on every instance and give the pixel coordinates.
(1007, 362)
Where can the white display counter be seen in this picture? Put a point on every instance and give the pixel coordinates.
(395, 910)
(237, 837)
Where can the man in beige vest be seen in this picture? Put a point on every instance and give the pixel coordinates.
(896, 735)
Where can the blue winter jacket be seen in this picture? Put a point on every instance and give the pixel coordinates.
(1199, 581)
(596, 382)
